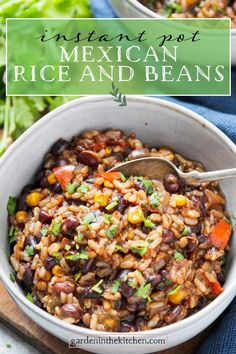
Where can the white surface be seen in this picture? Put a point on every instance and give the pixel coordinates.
(156, 122)
(7, 337)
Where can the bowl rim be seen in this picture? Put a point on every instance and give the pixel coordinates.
(16, 293)
(146, 11)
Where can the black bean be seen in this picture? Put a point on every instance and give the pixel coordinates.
(155, 280)
(88, 265)
(28, 188)
(202, 205)
(129, 318)
(118, 304)
(122, 274)
(37, 301)
(131, 307)
(168, 236)
(50, 263)
(171, 183)
(88, 157)
(44, 182)
(39, 175)
(119, 156)
(126, 290)
(159, 264)
(221, 277)
(28, 278)
(126, 151)
(22, 205)
(69, 225)
(202, 238)
(121, 204)
(191, 245)
(125, 327)
(196, 229)
(60, 146)
(173, 314)
(57, 188)
(146, 229)
(44, 217)
(30, 241)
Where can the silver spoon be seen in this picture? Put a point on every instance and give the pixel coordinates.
(158, 168)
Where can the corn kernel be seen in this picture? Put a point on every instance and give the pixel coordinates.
(135, 215)
(130, 235)
(33, 199)
(52, 178)
(178, 296)
(108, 184)
(21, 217)
(100, 198)
(111, 323)
(57, 271)
(180, 200)
(107, 152)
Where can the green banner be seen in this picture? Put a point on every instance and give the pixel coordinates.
(141, 56)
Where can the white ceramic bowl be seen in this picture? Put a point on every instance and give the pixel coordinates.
(155, 121)
(134, 9)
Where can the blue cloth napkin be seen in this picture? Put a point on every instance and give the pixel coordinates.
(221, 111)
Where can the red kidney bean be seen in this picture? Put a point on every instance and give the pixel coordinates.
(135, 300)
(30, 241)
(71, 310)
(69, 225)
(88, 157)
(126, 290)
(44, 217)
(131, 307)
(28, 278)
(171, 183)
(168, 236)
(138, 153)
(173, 314)
(50, 263)
(66, 287)
(60, 146)
(159, 264)
(155, 280)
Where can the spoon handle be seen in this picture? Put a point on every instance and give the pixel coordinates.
(195, 176)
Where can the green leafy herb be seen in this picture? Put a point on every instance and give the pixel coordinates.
(70, 188)
(174, 291)
(89, 219)
(141, 248)
(57, 255)
(67, 247)
(122, 177)
(148, 223)
(185, 232)
(56, 228)
(111, 232)
(146, 184)
(44, 231)
(107, 218)
(83, 188)
(119, 248)
(28, 251)
(79, 238)
(154, 200)
(112, 205)
(12, 277)
(30, 297)
(12, 235)
(143, 290)
(8, 345)
(96, 287)
(118, 96)
(116, 286)
(77, 256)
(178, 256)
(77, 276)
(11, 205)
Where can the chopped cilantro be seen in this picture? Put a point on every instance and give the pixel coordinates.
(116, 286)
(44, 231)
(77, 256)
(67, 247)
(57, 255)
(77, 276)
(12, 235)
(178, 256)
(96, 287)
(11, 205)
(111, 232)
(148, 223)
(119, 247)
(70, 188)
(122, 177)
(28, 251)
(83, 188)
(30, 297)
(141, 248)
(143, 290)
(107, 218)
(175, 290)
(89, 219)
(147, 185)
(79, 238)
(56, 228)
(12, 277)
(154, 200)
(185, 232)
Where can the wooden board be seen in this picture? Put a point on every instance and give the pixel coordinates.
(14, 318)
